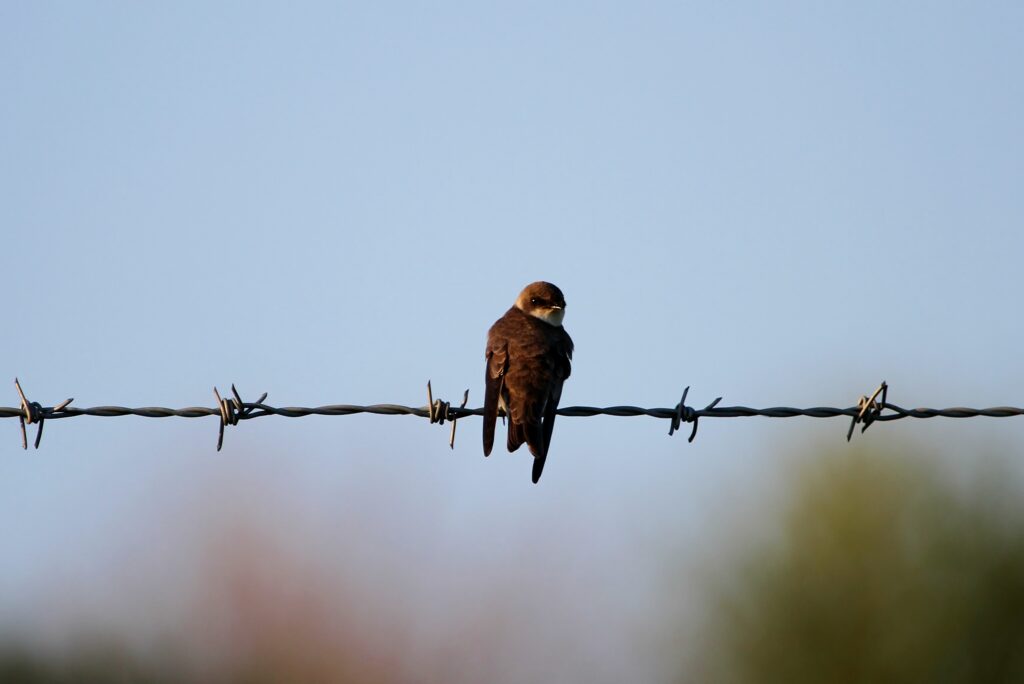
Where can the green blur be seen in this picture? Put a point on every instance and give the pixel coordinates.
(879, 569)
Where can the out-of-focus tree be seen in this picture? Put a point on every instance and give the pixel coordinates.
(100, 661)
(880, 570)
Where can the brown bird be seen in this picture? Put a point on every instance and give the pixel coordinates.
(528, 359)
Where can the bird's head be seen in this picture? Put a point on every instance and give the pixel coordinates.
(544, 301)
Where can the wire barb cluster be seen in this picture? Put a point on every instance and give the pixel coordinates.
(440, 411)
(34, 412)
(868, 409)
(686, 414)
(232, 410)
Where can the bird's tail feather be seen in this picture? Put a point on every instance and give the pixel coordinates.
(532, 434)
(516, 435)
(538, 447)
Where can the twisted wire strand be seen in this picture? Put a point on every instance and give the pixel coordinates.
(261, 410)
(232, 409)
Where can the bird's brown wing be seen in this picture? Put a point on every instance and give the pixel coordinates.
(562, 370)
(525, 427)
(549, 425)
(550, 413)
(497, 364)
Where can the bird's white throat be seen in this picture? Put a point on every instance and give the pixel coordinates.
(550, 316)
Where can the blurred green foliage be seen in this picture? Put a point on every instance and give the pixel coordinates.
(880, 570)
(96, 662)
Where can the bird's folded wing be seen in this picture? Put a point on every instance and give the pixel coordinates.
(497, 364)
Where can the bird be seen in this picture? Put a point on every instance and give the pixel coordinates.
(529, 356)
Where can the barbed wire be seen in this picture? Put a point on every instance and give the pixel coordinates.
(233, 409)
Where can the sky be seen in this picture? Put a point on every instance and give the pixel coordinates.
(778, 204)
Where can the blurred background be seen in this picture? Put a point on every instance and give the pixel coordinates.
(331, 203)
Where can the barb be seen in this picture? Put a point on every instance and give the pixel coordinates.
(34, 412)
(440, 411)
(870, 411)
(451, 438)
(685, 414)
(232, 410)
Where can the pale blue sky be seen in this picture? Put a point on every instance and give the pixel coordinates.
(779, 204)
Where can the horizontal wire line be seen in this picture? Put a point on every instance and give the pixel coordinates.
(260, 410)
(233, 409)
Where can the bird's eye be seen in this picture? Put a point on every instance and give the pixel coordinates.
(534, 300)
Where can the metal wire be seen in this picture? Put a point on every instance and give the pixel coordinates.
(232, 410)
